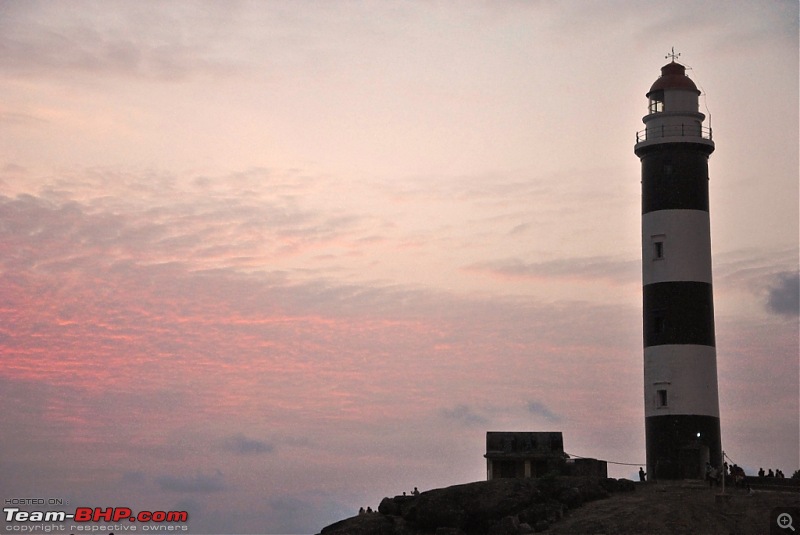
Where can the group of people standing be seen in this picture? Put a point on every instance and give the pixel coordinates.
(777, 473)
(369, 510)
(732, 474)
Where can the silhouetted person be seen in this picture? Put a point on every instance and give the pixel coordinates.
(738, 475)
(369, 510)
(416, 491)
(760, 472)
(642, 475)
(770, 473)
(713, 474)
(361, 511)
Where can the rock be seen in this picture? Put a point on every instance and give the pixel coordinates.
(525, 528)
(500, 506)
(554, 511)
(533, 513)
(396, 506)
(590, 490)
(609, 484)
(438, 509)
(508, 525)
(472, 507)
(389, 507)
(371, 524)
(626, 485)
(571, 497)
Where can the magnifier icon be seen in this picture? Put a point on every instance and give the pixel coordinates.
(785, 521)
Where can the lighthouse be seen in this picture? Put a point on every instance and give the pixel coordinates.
(681, 400)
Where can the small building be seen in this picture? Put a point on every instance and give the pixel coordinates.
(523, 454)
(511, 454)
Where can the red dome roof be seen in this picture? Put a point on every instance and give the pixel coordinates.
(673, 76)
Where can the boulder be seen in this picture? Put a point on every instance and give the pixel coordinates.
(554, 511)
(473, 507)
(591, 490)
(371, 524)
(530, 515)
(609, 484)
(571, 497)
(440, 508)
(389, 507)
(626, 485)
(500, 506)
(508, 525)
(396, 506)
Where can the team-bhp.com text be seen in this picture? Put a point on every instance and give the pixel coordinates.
(115, 515)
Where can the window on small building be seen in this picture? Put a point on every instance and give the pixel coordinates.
(661, 398)
(656, 102)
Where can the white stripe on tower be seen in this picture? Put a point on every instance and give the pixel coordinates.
(685, 238)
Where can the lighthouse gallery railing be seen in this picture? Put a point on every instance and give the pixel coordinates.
(674, 130)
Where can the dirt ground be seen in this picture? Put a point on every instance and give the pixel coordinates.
(685, 507)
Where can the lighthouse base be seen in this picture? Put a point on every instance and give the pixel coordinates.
(679, 446)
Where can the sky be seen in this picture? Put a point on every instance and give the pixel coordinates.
(269, 262)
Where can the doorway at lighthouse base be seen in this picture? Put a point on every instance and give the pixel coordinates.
(679, 446)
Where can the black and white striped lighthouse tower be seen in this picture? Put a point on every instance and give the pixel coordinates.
(680, 362)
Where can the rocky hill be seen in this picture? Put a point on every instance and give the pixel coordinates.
(561, 505)
(500, 506)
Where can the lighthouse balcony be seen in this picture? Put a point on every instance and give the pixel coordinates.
(674, 133)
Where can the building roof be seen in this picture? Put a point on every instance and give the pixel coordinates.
(673, 76)
(515, 443)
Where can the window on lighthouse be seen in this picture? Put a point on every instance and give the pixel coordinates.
(661, 398)
(657, 241)
(658, 250)
(656, 102)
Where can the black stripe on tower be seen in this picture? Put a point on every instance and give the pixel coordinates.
(678, 313)
(674, 177)
(674, 451)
